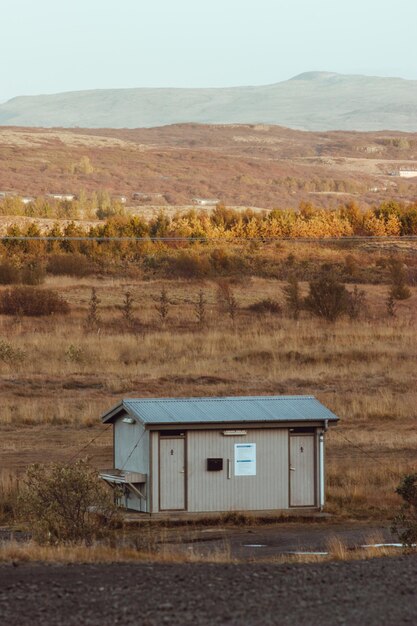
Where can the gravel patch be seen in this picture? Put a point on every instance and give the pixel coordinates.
(375, 592)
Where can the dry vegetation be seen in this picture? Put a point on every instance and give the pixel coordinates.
(57, 375)
(336, 550)
(263, 166)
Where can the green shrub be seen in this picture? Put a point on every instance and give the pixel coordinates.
(10, 355)
(75, 354)
(32, 302)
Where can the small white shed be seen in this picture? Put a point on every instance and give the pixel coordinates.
(199, 455)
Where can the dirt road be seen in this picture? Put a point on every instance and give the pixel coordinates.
(260, 542)
(378, 592)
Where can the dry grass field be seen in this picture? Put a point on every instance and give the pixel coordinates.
(63, 376)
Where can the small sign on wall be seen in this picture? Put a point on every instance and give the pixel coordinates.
(245, 459)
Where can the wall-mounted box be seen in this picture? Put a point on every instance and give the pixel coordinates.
(214, 465)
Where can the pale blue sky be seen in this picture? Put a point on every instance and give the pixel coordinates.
(48, 46)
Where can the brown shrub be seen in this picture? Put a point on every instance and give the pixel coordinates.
(9, 274)
(32, 302)
(66, 503)
(33, 274)
(328, 297)
(267, 305)
(69, 264)
(189, 265)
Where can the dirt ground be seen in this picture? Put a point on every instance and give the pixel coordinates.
(259, 542)
(377, 592)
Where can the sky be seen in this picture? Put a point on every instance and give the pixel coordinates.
(49, 46)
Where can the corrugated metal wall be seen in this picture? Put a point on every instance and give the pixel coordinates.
(127, 456)
(214, 491)
(154, 472)
(131, 452)
(211, 491)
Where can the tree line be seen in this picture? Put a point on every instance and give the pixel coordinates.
(388, 219)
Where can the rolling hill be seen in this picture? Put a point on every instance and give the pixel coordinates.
(315, 101)
(246, 165)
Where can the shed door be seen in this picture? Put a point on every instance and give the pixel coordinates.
(172, 474)
(302, 470)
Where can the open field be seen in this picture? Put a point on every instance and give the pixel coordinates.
(65, 376)
(241, 165)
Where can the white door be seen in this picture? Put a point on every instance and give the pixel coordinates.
(302, 470)
(172, 474)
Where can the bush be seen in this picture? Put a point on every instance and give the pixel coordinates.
(66, 503)
(9, 489)
(10, 355)
(93, 317)
(32, 302)
(268, 305)
(75, 354)
(189, 265)
(328, 298)
(69, 265)
(9, 274)
(356, 304)
(226, 300)
(404, 525)
(33, 274)
(399, 289)
(292, 294)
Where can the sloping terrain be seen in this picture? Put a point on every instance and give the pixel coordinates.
(310, 101)
(249, 165)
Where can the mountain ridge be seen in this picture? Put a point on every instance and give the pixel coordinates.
(313, 101)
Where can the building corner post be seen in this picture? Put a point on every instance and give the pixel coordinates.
(321, 465)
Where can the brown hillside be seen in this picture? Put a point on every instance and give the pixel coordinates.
(250, 165)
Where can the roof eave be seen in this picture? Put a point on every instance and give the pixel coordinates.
(242, 423)
(111, 415)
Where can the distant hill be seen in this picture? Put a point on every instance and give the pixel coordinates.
(251, 165)
(312, 101)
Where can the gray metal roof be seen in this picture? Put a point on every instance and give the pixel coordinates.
(222, 410)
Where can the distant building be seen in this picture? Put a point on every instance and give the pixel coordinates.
(404, 172)
(142, 196)
(206, 201)
(68, 197)
(407, 173)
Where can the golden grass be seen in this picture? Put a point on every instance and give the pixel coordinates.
(19, 552)
(364, 371)
(339, 551)
(30, 552)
